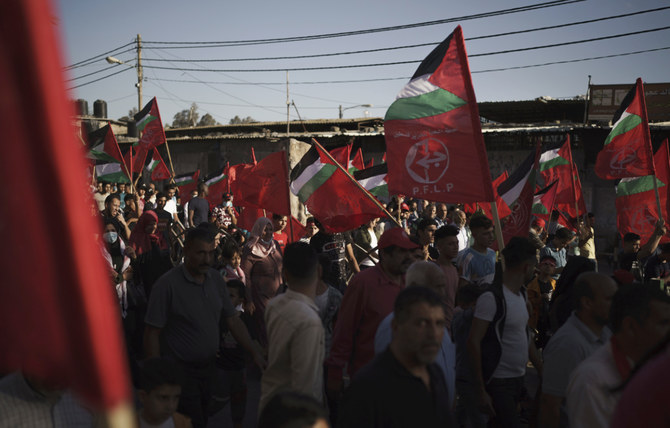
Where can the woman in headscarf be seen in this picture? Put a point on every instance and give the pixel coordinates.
(262, 266)
(153, 259)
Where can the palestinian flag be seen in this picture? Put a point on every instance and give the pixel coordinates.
(104, 145)
(517, 192)
(152, 135)
(433, 133)
(627, 149)
(373, 179)
(157, 167)
(485, 207)
(330, 194)
(543, 201)
(556, 164)
(186, 184)
(111, 173)
(218, 185)
(636, 206)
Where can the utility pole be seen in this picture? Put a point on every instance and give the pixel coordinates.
(140, 76)
(288, 107)
(586, 101)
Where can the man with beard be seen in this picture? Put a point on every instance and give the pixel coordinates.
(367, 301)
(403, 386)
(182, 322)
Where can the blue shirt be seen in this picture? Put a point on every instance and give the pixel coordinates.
(476, 267)
(446, 358)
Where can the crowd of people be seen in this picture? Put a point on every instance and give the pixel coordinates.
(411, 320)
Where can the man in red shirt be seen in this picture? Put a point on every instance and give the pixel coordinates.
(367, 301)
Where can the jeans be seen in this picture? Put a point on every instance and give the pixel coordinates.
(505, 395)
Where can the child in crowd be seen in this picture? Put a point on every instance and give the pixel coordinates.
(159, 391)
(232, 357)
(232, 257)
(539, 296)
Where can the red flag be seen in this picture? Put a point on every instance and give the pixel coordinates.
(503, 209)
(248, 217)
(264, 185)
(298, 230)
(218, 184)
(159, 171)
(371, 163)
(357, 162)
(627, 149)
(342, 155)
(330, 193)
(636, 205)
(433, 133)
(61, 321)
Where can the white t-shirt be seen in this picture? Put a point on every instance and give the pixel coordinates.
(171, 206)
(514, 342)
(373, 244)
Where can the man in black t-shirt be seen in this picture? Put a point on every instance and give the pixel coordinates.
(164, 217)
(198, 207)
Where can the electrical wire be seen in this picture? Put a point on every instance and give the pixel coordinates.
(94, 72)
(99, 56)
(100, 78)
(382, 64)
(187, 45)
(364, 51)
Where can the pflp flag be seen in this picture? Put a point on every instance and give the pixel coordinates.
(485, 207)
(636, 206)
(543, 201)
(517, 192)
(330, 194)
(61, 320)
(373, 179)
(433, 133)
(264, 185)
(150, 127)
(157, 167)
(627, 149)
(186, 184)
(342, 155)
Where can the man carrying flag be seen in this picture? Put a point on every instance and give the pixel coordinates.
(627, 149)
(433, 133)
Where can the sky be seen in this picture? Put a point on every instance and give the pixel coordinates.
(91, 28)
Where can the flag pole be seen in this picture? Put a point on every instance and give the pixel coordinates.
(167, 148)
(645, 125)
(288, 183)
(498, 229)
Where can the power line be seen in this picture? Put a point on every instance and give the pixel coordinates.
(284, 83)
(100, 78)
(92, 73)
(100, 56)
(570, 61)
(321, 55)
(190, 45)
(382, 64)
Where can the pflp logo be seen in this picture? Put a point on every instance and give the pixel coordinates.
(427, 161)
(623, 158)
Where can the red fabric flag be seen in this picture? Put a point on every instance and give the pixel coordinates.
(298, 230)
(433, 133)
(61, 321)
(331, 194)
(627, 149)
(248, 217)
(264, 185)
(636, 206)
(503, 209)
(357, 162)
(159, 170)
(342, 155)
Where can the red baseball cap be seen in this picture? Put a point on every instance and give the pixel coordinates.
(538, 222)
(398, 237)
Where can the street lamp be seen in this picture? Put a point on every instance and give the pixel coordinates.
(347, 108)
(138, 67)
